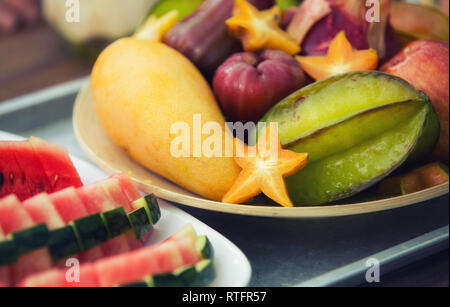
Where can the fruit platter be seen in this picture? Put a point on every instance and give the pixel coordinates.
(287, 109)
(354, 99)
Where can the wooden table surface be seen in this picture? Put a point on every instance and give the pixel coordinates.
(35, 58)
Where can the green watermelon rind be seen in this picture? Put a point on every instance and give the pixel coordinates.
(8, 252)
(116, 221)
(61, 242)
(140, 222)
(31, 238)
(199, 274)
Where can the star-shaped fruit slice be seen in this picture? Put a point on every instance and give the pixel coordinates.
(154, 28)
(341, 58)
(264, 168)
(260, 29)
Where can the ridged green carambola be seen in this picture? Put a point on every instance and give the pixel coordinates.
(357, 128)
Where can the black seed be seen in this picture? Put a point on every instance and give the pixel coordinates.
(1, 179)
(40, 187)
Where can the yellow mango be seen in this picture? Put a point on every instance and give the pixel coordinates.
(140, 89)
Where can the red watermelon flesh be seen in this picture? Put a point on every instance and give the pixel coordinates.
(132, 242)
(91, 255)
(96, 200)
(12, 179)
(114, 190)
(50, 278)
(125, 268)
(68, 204)
(88, 277)
(42, 210)
(116, 246)
(14, 217)
(57, 278)
(4, 271)
(128, 187)
(57, 165)
(186, 246)
(30, 263)
(31, 166)
(168, 264)
(4, 276)
(70, 207)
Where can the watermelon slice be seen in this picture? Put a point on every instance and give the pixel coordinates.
(68, 204)
(56, 163)
(150, 260)
(96, 200)
(128, 187)
(131, 192)
(168, 264)
(114, 190)
(70, 207)
(41, 209)
(28, 168)
(31, 166)
(14, 217)
(50, 278)
(168, 256)
(12, 179)
(31, 263)
(188, 254)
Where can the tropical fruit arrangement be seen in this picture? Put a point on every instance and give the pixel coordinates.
(103, 226)
(357, 94)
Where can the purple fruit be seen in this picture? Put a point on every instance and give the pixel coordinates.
(247, 85)
(203, 36)
(343, 15)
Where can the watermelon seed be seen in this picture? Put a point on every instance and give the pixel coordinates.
(56, 178)
(11, 178)
(41, 186)
(1, 179)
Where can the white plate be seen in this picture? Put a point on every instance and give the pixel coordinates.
(232, 266)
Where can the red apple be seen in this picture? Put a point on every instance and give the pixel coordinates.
(424, 64)
(247, 85)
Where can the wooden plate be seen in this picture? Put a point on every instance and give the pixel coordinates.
(99, 147)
